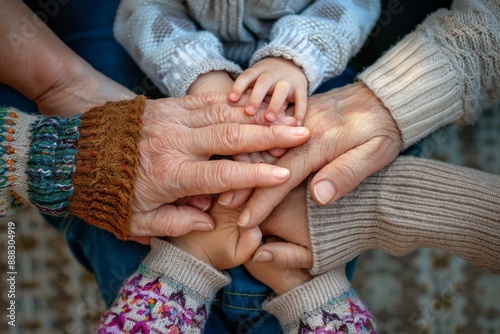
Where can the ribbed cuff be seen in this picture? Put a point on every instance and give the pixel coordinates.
(418, 84)
(51, 163)
(106, 165)
(193, 62)
(185, 268)
(412, 203)
(308, 297)
(14, 152)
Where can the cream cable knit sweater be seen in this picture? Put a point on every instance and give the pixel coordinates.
(447, 70)
(175, 41)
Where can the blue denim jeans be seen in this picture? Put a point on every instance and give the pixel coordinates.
(86, 27)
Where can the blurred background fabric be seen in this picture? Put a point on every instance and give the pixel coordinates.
(425, 292)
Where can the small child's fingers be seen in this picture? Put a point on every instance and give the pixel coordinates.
(256, 157)
(242, 157)
(233, 199)
(243, 82)
(248, 242)
(262, 87)
(201, 202)
(274, 153)
(280, 95)
(300, 105)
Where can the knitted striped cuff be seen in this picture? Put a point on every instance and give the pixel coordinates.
(417, 83)
(14, 152)
(51, 162)
(308, 297)
(106, 165)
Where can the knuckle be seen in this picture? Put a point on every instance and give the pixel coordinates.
(347, 172)
(249, 73)
(266, 79)
(231, 137)
(283, 86)
(224, 174)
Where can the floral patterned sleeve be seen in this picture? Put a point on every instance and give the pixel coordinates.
(325, 304)
(170, 292)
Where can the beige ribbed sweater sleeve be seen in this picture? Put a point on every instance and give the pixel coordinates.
(410, 204)
(447, 70)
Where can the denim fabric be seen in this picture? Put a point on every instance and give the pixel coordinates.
(86, 27)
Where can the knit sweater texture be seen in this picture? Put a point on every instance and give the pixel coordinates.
(446, 71)
(175, 41)
(83, 165)
(172, 292)
(412, 203)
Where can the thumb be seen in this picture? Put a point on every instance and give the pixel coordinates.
(284, 255)
(170, 220)
(347, 171)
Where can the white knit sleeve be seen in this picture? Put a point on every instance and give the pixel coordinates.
(447, 70)
(163, 40)
(322, 38)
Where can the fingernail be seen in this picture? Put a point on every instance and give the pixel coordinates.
(233, 96)
(280, 173)
(298, 131)
(202, 203)
(324, 191)
(226, 198)
(244, 218)
(202, 227)
(270, 117)
(250, 110)
(263, 257)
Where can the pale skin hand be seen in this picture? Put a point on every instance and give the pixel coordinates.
(352, 136)
(278, 77)
(179, 135)
(227, 246)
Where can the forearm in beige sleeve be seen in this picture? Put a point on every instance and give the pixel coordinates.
(410, 204)
(446, 71)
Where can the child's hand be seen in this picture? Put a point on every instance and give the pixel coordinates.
(277, 278)
(279, 77)
(225, 247)
(215, 81)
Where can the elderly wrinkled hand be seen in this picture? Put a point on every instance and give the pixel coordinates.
(179, 135)
(352, 136)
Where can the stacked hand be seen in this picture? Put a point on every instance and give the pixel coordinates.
(179, 136)
(352, 136)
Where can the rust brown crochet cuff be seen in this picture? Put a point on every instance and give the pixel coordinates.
(106, 165)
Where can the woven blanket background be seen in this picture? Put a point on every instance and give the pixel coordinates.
(428, 291)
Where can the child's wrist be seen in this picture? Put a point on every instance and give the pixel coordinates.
(191, 248)
(218, 81)
(289, 282)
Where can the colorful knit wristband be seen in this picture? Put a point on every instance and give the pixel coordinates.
(51, 163)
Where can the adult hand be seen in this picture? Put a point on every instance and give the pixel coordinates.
(352, 136)
(179, 135)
